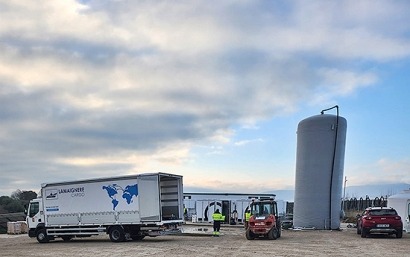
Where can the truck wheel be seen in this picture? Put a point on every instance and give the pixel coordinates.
(42, 236)
(250, 235)
(273, 234)
(363, 233)
(117, 234)
(399, 234)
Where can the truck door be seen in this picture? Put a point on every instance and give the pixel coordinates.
(149, 201)
(35, 214)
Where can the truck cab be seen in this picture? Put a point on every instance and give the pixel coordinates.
(264, 220)
(35, 217)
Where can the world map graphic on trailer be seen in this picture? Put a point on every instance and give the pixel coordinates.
(128, 193)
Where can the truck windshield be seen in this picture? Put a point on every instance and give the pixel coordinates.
(34, 208)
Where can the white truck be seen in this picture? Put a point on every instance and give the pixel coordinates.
(125, 208)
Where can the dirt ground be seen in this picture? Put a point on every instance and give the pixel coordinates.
(232, 242)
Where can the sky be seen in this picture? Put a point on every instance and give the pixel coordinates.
(210, 90)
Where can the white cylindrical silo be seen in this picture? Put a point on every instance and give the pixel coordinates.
(320, 155)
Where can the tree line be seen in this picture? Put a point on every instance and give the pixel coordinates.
(16, 202)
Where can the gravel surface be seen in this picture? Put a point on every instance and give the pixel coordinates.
(232, 242)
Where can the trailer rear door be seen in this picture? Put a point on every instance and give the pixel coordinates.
(149, 202)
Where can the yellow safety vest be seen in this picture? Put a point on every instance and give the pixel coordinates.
(247, 216)
(218, 217)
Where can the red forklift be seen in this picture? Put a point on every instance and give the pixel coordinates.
(264, 221)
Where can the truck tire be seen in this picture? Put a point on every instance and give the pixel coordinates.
(250, 235)
(117, 234)
(41, 235)
(273, 234)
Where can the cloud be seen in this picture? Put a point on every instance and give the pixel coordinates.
(335, 82)
(239, 185)
(382, 171)
(90, 85)
(245, 142)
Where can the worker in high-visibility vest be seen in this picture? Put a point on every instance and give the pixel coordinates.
(218, 218)
(247, 217)
(185, 213)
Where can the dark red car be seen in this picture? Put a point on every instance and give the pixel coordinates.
(379, 220)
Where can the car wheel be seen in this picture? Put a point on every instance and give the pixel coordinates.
(399, 234)
(363, 233)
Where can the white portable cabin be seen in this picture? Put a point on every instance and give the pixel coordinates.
(201, 206)
(401, 202)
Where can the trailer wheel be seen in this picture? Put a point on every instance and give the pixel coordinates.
(117, 234)
(273, 234)
(42, 235)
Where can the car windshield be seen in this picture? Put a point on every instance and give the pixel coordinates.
(383, 212)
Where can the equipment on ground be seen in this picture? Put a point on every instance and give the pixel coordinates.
(264, 220)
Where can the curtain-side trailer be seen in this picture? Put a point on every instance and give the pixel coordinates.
(125, 208)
